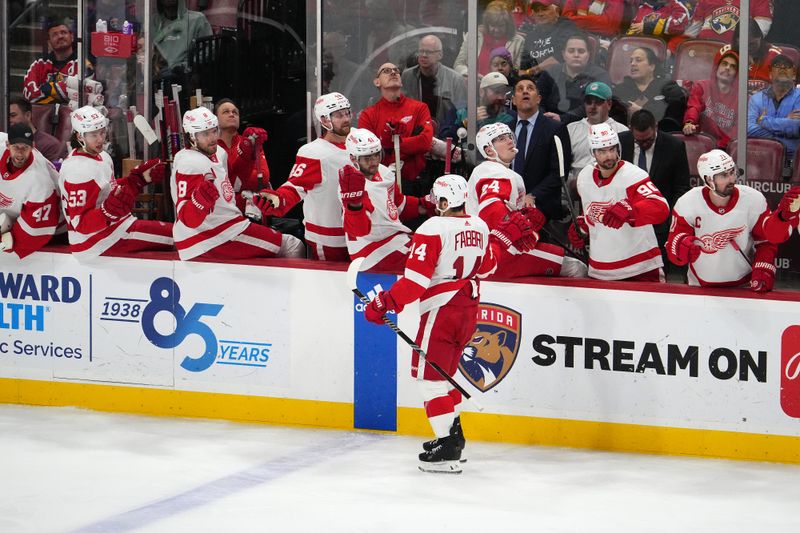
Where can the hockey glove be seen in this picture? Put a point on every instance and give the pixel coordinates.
(687, 250)
(205, 196)
(617, 215)
(379, 306)
(516, 231)
(789, 208)
(7, 242)
(351, 186)
(387, 141)
(535, 217)
(257, 136)
(118, 204)
(575, 238)
(151, 171)
(267, 201)
(246, 149)
(763, 277)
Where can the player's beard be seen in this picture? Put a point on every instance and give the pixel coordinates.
(344, 131)
(608, 164)
(726, 192)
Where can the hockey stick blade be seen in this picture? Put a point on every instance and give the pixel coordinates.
(144, 128)
(352, 276)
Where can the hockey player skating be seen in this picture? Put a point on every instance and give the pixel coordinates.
(725, 232)
(29, 209)
(314, 180)
(496, 191)
(620, 206)
(208, 224)
(374, 208)
(96, 205)
(448, 254)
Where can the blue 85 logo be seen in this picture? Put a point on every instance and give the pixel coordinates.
(166, 296)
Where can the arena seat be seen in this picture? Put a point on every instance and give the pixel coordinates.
(696, 145)
(790, 50)
(42, 117)
(796, 170)
(63, 129)
(764, 159)
(619, 54)
(694, 60)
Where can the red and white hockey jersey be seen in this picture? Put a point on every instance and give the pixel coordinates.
(717, 19)
(447, 253)
(85, 181)
(29, 198)
(190, 168)
(629, 250)
(376, 231)
(494, 191)
(314, 179)
(719, 231)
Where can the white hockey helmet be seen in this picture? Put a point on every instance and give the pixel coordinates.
(488, 133)
(712, 163)
(199, 119)
(87, 119)
(362, 142)
(452, 188)
(602, 136)
(329, 103)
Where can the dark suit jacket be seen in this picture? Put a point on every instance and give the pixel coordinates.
(669, 170)
(541, 166)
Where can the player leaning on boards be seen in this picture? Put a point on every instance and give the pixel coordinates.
(725, 232)
(449, 253)
(29, 212)
(620, 207)
(314, 180)
(208, 224)
(96, 205)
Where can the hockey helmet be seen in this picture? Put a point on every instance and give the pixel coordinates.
(602, 136)
(198, 120)
(452, 188)
(361, 142)
(488, 133)
(714, 162)
(87, 119)
(329, 103)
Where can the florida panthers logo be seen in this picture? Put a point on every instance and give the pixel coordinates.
(491, 353)
(724, 19)
(714, 242)
(594, 213)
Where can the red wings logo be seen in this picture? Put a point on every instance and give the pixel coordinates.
(595, 212)
(5, 201)
(714, 242)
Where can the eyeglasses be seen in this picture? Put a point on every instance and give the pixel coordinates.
(783, 67)
(427, 52)
(389, 71)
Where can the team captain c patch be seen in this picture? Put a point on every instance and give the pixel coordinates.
(491, 353)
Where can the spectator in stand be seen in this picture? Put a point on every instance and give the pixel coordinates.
(600, 17)
(572, 76)
(497, 29)
(665, 19)
(441, 88)
(546, 37)
(398, 114)
(173, 28)
(249, 145)
(494, 88)
(761, 55)
(20, 112)
(502, 63)
(712, 104)
(717, 19)
(786, 20)
(662, 156)
(774, 113)
(647, 88)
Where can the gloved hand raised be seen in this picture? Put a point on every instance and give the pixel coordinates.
(205, 196)
(351, 185)
(617, 215)
(151, 171)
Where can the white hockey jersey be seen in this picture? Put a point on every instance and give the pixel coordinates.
(314, 179)
(190, 168)
(29, 198)
(719, 231)
(85, 181)
(627, 251)
(493, 188)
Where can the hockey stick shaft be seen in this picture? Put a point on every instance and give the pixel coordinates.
(563, 179)
(397, 174)
(739, 249)
(448, 154)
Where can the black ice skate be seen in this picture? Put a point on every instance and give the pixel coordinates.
(443, 457)
(456, 431)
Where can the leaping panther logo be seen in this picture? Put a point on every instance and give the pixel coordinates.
(491, 353)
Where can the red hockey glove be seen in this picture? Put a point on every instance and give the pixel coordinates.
(258, 136)
(387, 141)
(118, 204)
(617, 215)
(151, 171)
(535, 217)
(763, 277)
(516, 230)
(263, 200)
(789, 208)
(246, 149)
(379, 306)
(575, 238)
(351, 185)
(687, 250)
(205, 196)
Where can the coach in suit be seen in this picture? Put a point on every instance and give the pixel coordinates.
(662, 156)
(536, 160)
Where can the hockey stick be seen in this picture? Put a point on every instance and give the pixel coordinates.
(397, 177)
(144, 128)
(448, 155)
(567, 249)
(352, 275)
(739, 249)
(563, 179)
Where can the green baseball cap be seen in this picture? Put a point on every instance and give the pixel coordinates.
(598, 89)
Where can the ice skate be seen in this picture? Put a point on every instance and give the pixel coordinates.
(442, 458)
(457, 432)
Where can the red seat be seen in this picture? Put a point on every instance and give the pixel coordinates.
(796, 170)
(64, 126)
(764, 159)
(619, 54)
(792, 51)
(696, 145)
(42, 117)
(694, 60)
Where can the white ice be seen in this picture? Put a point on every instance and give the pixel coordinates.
(65, 469)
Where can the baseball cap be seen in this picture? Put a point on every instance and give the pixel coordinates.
(781, 59)
(598, 89)
(20, 133)
(493, 79)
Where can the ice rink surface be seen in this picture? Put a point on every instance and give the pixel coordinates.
(65, 469)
